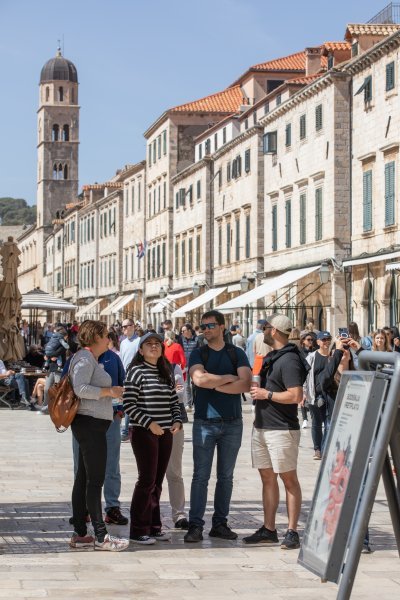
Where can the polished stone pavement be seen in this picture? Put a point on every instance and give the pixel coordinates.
(35, 561)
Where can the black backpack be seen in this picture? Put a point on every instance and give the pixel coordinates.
(204, 354)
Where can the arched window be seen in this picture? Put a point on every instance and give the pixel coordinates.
(60, 171)
(61, 94)
(55, 172)
(320, 317)
(66, 172)
(47, 93)
(55, 133)
(65, 133)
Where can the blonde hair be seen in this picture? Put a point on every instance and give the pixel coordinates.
(169, 335)
(381, 332)
(89, 331)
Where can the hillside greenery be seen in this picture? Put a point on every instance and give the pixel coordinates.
(16, 211)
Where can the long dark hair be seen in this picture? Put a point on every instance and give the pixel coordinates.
(163, 366)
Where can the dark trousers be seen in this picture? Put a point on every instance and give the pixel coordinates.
(321, 420)
(152, 453)
(90, 434)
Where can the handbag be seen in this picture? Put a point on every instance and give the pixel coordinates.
(63, 403)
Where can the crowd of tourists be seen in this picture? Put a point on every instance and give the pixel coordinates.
(137, 384)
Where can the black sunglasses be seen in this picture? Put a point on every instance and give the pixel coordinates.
(205, 326)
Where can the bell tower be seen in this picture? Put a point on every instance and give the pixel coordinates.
(58, 139)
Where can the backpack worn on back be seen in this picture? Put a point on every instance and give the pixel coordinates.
(230, 348)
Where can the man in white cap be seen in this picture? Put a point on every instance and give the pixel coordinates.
(276, 430)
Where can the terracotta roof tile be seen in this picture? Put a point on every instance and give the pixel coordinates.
(370, 29)
(101, 186)
(227, 101)
(332, 46)
(293, 62)
(304, 80)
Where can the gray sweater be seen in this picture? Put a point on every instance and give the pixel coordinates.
(88, 377)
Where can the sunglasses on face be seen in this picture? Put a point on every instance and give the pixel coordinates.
(125, 326)
(205, 326)
(267, 327)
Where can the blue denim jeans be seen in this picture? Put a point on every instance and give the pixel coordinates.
(20, 382)
(112, 481)
(320, 417)
(208, 435)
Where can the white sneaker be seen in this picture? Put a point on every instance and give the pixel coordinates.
(305, 424)
(144, 540)
(162, 536)
(112, 544)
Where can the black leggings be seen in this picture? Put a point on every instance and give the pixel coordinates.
(90, 434)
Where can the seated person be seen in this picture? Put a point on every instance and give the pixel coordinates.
(16, 381)
(38, 390)
(35, 357)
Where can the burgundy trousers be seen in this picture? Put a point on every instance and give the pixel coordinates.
(152, 453)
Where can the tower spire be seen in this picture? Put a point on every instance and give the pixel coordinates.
(59, 53)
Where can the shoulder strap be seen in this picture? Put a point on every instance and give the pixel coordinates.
(204, 354)
(230, 348)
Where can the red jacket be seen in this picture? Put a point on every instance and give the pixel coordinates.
(175, 354)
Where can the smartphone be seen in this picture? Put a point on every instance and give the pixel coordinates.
(343, 332)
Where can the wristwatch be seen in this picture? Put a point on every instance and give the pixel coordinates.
(269, 397)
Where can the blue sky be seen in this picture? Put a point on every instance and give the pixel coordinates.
(137, 58)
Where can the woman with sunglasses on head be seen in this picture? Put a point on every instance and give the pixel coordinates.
(308, 344)
(152, 404)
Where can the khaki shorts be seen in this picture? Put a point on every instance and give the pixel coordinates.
(275, 449)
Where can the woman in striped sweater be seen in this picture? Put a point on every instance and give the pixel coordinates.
(152, 404)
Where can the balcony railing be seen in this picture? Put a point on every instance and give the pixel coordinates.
(389, 14)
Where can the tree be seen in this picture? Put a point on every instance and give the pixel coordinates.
(16, 211)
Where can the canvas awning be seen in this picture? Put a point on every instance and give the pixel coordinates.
(199, 301)
(394, 266)
(123, 301)
(40, 300)
(88, 309)
(108, 310)
(267, 288)
(370, 259)
(168, 300)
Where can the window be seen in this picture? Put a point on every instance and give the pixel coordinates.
(198, 252)
(61, 94)
(303, 127)
(330, 61)
(55, 133)
(228, 243)
(138, 196)
(228, 171)
(354, 49)
(176, 259)
(65, 171)
(367, 200)
(207, 146)
(266, 108)
(219, 244)
(278, 99)
(200, 151)
(390, 76)
(165, 194)
(182, 195)
(47, 94)
(288, 135)
(303, 218)
(270, 142)
(389, 194)
(366, 87)
(177, 200)
(246, 124)
(198, 189)
(224, 135)
(72, 232)
(274, 227)
(288, 223)
(164, 258)
(65, 134)
(149, 155)
(318, 117)
(215, 141)
(148, 265)
(190, 255)
(318, 214)
(153, 262)
(164, 136)
(154, 150)
(237, 239)
(247, 241)
(159, 146)
(254, 118)
(158, 264)
(183, 256)
(159, 198)
(247, 161)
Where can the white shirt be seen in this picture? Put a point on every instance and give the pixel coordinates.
(3, 369)
(127, 350)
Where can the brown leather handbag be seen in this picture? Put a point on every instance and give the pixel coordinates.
(63, 402)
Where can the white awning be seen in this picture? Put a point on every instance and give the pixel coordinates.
(267, 288)
(235, 287)
(199, 301)
(395, 266)
(39, 299)
(109, 309)
(164, 302)
(88, 308)
(123, 301)
(370, 259)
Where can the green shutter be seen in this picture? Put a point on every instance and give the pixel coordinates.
(288, 136)
(247, 161)
(288, 223)
(318, 117)
(247, 245)
(389, 194)
(318, 214)
(274, 227)
(390, 76)
(367, 201)
(303, 207)
(303, 130)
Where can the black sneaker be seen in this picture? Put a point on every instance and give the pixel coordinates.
(182, 524)
(291, 540)
(114, 516)
(223, 531)
(194, 534)
(366, 549)
(262, 536)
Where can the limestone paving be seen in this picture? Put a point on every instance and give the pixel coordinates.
(36, 562)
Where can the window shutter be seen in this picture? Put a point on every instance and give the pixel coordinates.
(198, 189)
(239, 166)
(288, 211)
(274, 227)
(228, 243)
(270, 142)
(368, 89)
(177, 200)
(318, 214)
(247, 244)
(303, 213)
(247, 161)
(288, 135)
(228, 171)
(234, 169)
(318, 117)
(389, 194)
(182, 193)
(367, 201)
(390, 76)
(237, 236)
(303, 127)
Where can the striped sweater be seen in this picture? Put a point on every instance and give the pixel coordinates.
(146, 399)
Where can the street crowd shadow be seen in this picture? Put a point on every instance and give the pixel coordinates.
(41, 528)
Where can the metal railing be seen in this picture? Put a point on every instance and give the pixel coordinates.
(389, 14)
